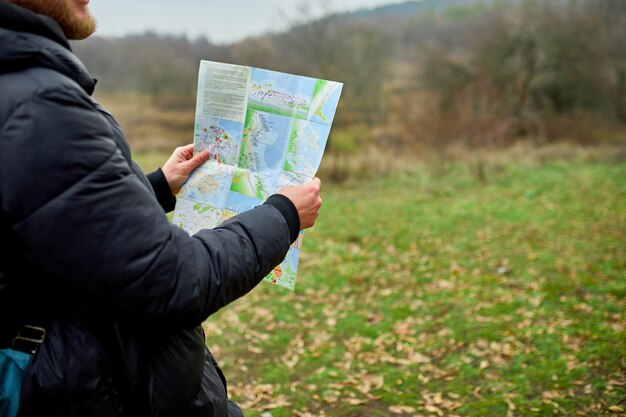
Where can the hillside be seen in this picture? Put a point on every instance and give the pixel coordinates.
(418, 75)
(411, 8)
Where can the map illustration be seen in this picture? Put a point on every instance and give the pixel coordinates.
(306, 147)
(285, 273)
(192, 216)
(253, 184)
(284, 94)
(210, 185)
(264, 130)
(238, 203)
(287, 179)
(265, 139)
(324, 102)
(221, 138)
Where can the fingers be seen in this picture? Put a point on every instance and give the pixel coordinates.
(186, 148)
(309, 202)
(197, 160)
(316, 184)
(183, 153)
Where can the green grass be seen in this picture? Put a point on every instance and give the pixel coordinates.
(149, 161)
(443, 296)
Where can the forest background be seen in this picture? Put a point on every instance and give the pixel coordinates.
(422, 79)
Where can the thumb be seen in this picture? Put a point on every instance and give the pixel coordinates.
(197, 160)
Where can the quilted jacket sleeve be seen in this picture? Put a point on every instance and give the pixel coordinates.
(98, 232)
(162, 190)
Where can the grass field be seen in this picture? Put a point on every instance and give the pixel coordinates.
(421, 296)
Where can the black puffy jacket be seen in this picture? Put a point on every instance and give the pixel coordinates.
(86, 248)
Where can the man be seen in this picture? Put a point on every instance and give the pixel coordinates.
(87, 253)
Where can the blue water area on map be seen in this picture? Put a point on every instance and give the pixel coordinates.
(239, 203)
(269, 135)
(290, 264)
(297, 244)
(306, 156)
(330, 106)
(286, 83)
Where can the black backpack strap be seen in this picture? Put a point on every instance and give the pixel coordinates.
(28, 339)
(19, 329)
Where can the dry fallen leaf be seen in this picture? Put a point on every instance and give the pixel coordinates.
(433, 409)
(355, 401)
(401, 409)
(330, 399)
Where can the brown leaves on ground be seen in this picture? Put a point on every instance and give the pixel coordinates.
(258, 396)
(459, 307)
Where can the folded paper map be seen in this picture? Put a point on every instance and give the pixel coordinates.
(264, 130)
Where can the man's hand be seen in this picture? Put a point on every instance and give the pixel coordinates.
(306, 198)
(181, 164)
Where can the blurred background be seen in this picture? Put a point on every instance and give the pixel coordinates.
(470, 257)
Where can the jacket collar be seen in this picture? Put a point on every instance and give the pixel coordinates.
(18, 19)
(28, 39)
